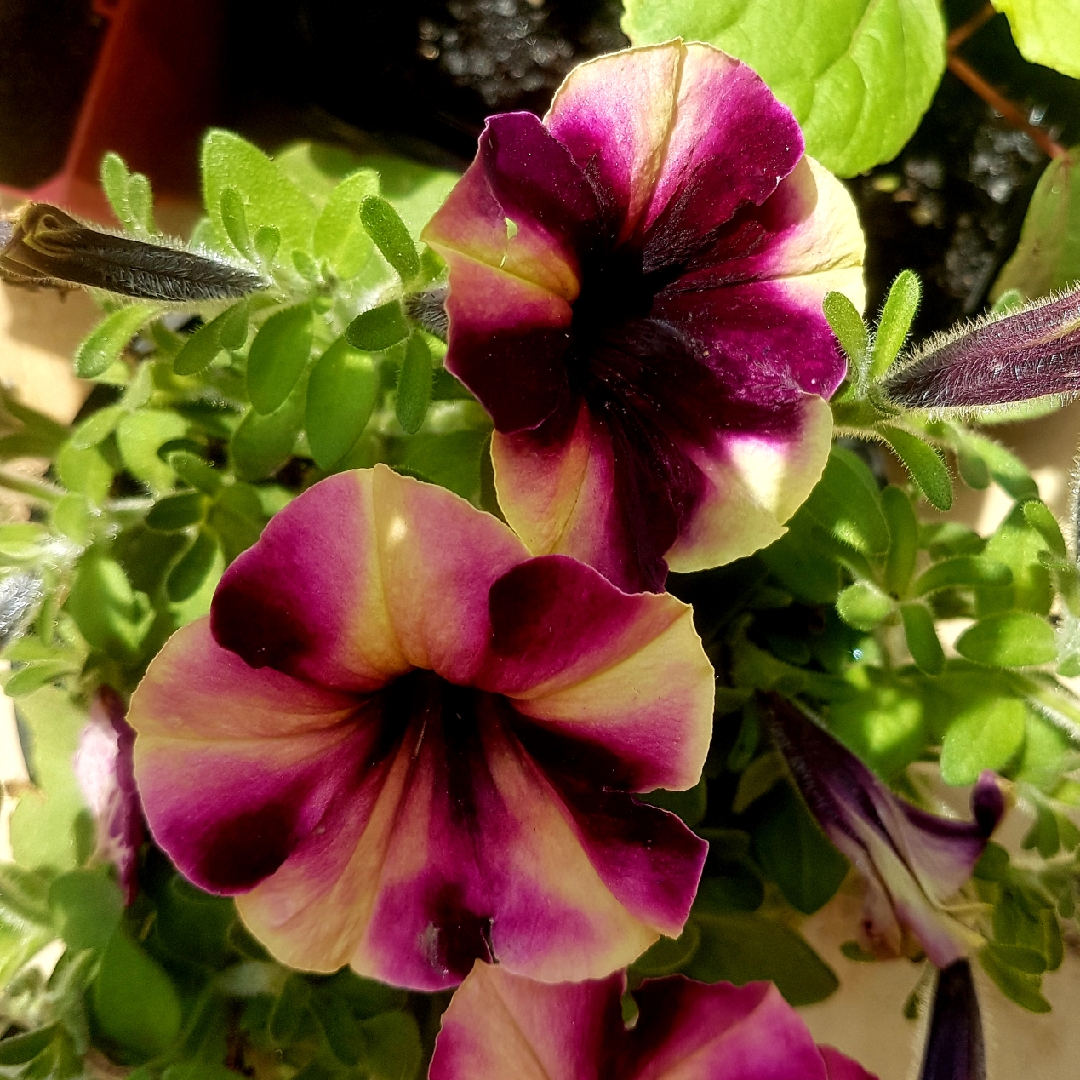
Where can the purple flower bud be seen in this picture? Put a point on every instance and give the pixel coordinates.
(954, 1046)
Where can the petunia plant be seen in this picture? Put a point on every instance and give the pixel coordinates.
(477, 617)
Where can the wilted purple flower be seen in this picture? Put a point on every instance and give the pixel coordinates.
(954, 1044)
(502, 1025)
(635, 297)
(1028, 354)
(913, 862)
(105, 771)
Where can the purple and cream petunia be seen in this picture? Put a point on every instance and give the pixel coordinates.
(913, 862)
(404, 744)
(503, 1025)
(105, 772)
(635, 297)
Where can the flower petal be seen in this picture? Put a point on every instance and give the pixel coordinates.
(499, 1024)
(840, 1067)
(913, 861)
(307, 598)
(511, 231)
(363, 576)
(470, 852)
(679, 136)
(755, 482)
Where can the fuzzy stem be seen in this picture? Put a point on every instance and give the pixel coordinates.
(965, 30)
(35, 489)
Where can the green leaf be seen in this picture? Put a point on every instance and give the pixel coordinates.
(19, 1049)
(97, 427)
(846, 503)
(267, 242)
(1038, 516)
(194, 471)
(1022, 988)
(237, 517)
(1008, 471)
(200, 348)
(690, 805)
(392, 1047)
(341, 396)
(922, 639)
(1009, 639)
(140, 436)
(269, 199)
(109, 613)
(340, 237)
(668, 955)
(924, 462)
(963, 571)
(234, 221)
(34, 676)
(262, 444)
(134, 1002)
(1019, 545)
(141, 203)
(176, 512)
(848, 326)
(114, 182)
(742, 948)
(43, 823)
(758, 779)
(1045, 837)
(414, 385)
(289, 1009)
(988, 736)
(73, 517)
(892, 330)
(904, 539)
(379, 328)
(278, 356)
(859, 81)
(795, 853)
(863, 605)
(385, 227)
(103, 345)
(193, 568)
(87, 906)
(1046, 32)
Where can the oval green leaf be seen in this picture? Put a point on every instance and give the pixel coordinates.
(341, 397)
(924, 463)
(385, 227)
(1009, 639)
(379, 328)
(103, 345)
(277, 358)
(414, 385)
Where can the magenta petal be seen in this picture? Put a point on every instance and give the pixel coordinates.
(105, 770)
(501, 1025)
(913, 861)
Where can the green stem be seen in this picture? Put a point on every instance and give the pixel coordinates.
(41, 490)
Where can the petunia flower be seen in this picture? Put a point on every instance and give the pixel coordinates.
(955, 1049)
(404, 744)
(503, 1025)
(1031, 353)
(913, 862)
(635, 297)
(105, 772)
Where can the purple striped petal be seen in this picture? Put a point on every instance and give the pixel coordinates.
(502, 1025)
(913, 862)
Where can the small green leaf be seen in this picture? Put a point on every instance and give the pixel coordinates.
(193, 568)
(848, 326)
(904, 539)
(1008, 471)
(176, 512)
(289, 1010)
(742, 948)
(862, 76)
(86, 472)
(1045, 837)
(863, 605)
(892, 331)
(234, 221)
(1039, 517)
(392, 1047)
(194, 471)
(269, 198)
(847, 504)
(104, 344)
(414, 385)
(202, 347)
(340, 237)
(1009, 639)
(690, 805)
(134, 1002)
(988, 736)
(341, 397)
(1018, 986)
(262, 444)
(114, 182)
(963, 571)
(110, 614)
(141, 435)
(758, 779)
(19, 1049)
(141, 202)
(379, 328)
(668, 955)
(391, 237)
(34, 676)
(87, 906)
(924, 463)
(267, 242)
(278, 356)
(922, 639)
(232, 327)
(97, 427)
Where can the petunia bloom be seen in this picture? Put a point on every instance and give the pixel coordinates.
(502, 1025)
(405, 744)
(105, 772)
(1030, 353)
(635, 297)
(913, 862)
